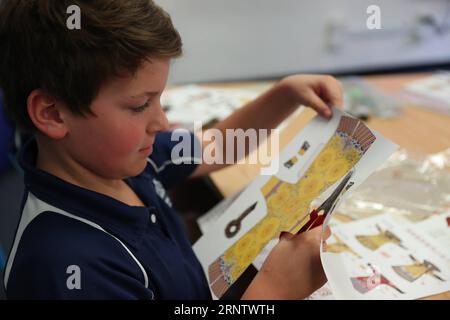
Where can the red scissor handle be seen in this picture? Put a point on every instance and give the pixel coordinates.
(315, 220)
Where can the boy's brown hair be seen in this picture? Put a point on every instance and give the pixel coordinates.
(39, 51)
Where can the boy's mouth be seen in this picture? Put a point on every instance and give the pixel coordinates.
(147, 150)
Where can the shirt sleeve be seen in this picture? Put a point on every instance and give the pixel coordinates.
(175, 156)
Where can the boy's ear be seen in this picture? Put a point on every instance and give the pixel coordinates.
(46, 114)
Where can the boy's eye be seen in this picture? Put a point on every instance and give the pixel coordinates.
(141, 108)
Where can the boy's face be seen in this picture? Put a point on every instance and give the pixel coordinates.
(116, 142)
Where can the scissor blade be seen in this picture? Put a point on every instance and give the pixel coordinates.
(330, 201)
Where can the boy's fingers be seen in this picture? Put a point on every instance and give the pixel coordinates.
(315, 102)
(326, 233)
(332, 91)
(321, 232)
(315, 233)
(286, 235)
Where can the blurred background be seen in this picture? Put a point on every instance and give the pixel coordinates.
(231, 40)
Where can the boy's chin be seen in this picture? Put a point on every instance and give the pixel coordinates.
(137, 169)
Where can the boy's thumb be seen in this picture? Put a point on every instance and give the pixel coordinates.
(285, 235)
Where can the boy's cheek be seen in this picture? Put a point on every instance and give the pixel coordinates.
(125, 143)
(111, 136)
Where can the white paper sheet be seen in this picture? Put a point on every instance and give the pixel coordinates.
(385, 258)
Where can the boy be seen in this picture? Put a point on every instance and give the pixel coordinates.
(96, 223)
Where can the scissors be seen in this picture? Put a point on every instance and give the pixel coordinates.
(317, 216)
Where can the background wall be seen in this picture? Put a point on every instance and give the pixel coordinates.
(235, 39)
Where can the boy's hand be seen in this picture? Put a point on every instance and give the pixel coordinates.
(320, 92)
(293, 269)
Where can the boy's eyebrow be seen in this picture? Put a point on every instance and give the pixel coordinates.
(146, 93)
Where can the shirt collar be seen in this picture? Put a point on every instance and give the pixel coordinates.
(128, 223)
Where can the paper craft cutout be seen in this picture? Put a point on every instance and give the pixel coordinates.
(340, 246)
(288, 204)
(388, 259)
(367, 283)
(304, 148)
(288, 164)
(339, 217)
(412, 272)
(234, 226)
(373, 242)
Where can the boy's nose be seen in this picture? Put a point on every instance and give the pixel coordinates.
(159, 121)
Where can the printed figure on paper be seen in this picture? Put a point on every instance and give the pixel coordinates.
(373, 242)
(417, 269)
(288, 164)
(365, 284)
(288, 204)
(339, 246)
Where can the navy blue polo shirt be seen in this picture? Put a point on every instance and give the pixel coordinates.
(74, 243)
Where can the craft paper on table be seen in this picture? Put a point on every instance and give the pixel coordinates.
(432, 91)
(187, 104)
(363, 100)
(311, 167)
(404, 208)
(384, 258)
(437, 227)
(323, 293)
